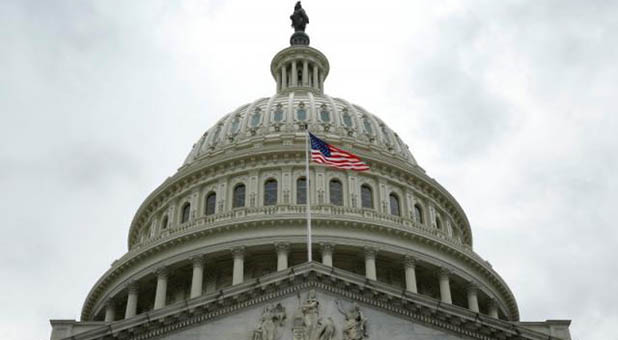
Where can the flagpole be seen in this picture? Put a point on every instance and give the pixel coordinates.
(308, 198)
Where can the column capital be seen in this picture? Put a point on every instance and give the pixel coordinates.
(110, 303)
(161, 271)
(282, 247)
(132, 287)
(198, 259)
(409, 261)
(327, 247)
(472, 287)
(370, 252)
(444, 272)
(238, 252)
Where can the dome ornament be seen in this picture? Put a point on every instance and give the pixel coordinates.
(299, 22)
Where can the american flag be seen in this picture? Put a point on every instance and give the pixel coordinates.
(324, 153)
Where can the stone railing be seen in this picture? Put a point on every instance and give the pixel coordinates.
(322, 211)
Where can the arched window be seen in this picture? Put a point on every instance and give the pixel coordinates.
(257, 116)
(394, 200)
(324, 113)
(270, 192)
(438, 223)
(235, 125)
(418, 214)
(278, 114)
(238, 200)
(211, 203)
(186, 212)
(366, 196)
(301, 191)
(164, 222)
(347, 119)
(336, 192)
(301, 113)
(367, 125)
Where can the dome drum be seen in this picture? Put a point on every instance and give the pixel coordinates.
(299, 68)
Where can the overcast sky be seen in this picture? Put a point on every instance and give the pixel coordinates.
(511, 105)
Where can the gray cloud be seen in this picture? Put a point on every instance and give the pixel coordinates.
(509, 105)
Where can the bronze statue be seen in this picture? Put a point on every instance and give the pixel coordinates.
(299, 18)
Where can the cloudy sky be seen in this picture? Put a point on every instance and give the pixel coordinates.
(511, 105)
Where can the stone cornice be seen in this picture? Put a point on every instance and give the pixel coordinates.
(180, 236)
(415, 307)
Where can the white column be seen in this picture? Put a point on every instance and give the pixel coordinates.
(131, 309)
(370, 263)
(327, 253)
(239, 265)
(410, 268)
(161, 293)
(321, 82)
(283, 249)
(278, 78)
(110, 311)
(197, 280)
(315, 76)
(284, 77)
(473, 300)
(493, 308)
(294, 75)
(305, 73)
(445, 286)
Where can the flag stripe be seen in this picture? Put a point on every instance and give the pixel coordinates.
(324, 153)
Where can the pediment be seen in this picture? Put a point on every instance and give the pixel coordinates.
(310, 302)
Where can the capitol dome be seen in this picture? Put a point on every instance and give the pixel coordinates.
(219, 249)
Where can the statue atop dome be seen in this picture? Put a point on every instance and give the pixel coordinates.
(299, 18)
(299, 22)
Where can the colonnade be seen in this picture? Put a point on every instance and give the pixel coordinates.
(311, 76)
(282, 252)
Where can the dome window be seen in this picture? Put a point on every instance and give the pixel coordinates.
(270, 192)
(164, 222)
(366, 196)
(438, 223)
(367, 125)
(301, 113)
(394, 202)
(186, 212)
(301, 191)
(217, 132)
(418, 213)
(347, 119)
(324, 114)
(238, 200)
(336, 192)
(278, 114)
(235, 125)
(211, 201)
(387, 138)
(256, 118)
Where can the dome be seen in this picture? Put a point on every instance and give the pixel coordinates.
(228, 230)
(284, 115)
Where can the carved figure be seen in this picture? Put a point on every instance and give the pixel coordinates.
(355, 327)
(272, 318)
(299, 18)
(307, 323)
(326, 329)
(311, 314)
